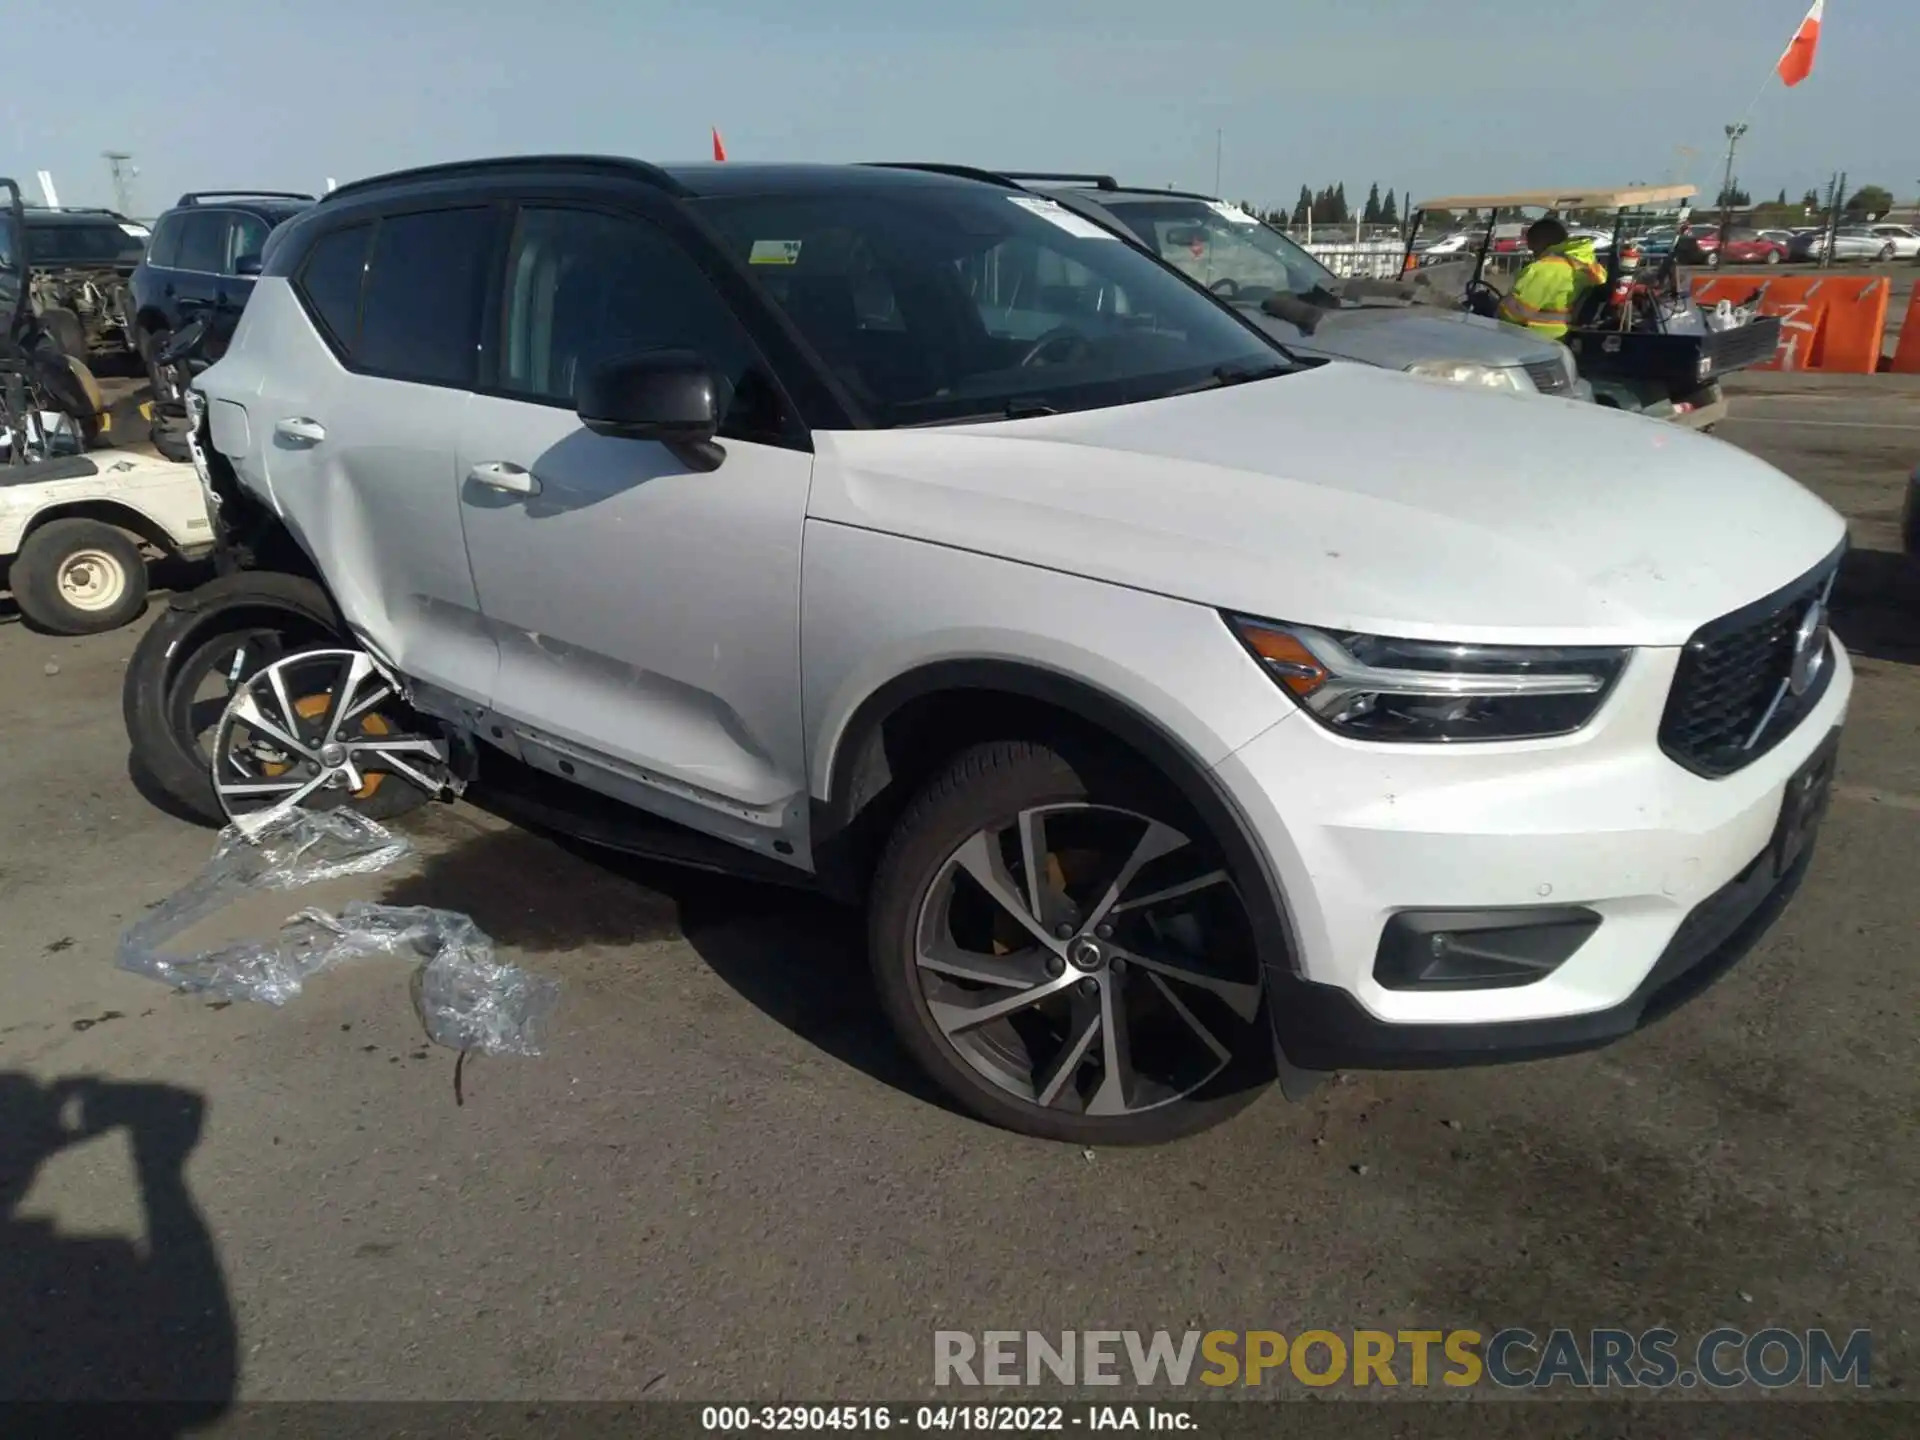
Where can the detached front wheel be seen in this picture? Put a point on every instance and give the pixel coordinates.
(1062, 949)
(318, 729)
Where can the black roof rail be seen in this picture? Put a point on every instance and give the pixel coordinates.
(195, 197)
(1061, 177)
(33, 209)
(959, 172)
(609, 165)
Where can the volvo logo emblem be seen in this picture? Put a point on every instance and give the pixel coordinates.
(1809, 649)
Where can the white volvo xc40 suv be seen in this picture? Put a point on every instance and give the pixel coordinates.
(1176, 709)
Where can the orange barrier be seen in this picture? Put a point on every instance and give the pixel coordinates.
(1796, 300)
(1906, 357)
(1834, 323)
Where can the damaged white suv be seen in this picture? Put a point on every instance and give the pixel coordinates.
(1178, 710)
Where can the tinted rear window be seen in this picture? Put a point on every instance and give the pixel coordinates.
(330, 282)
(83, 242)
(420, 319)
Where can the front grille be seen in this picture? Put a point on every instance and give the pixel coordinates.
(1549, 376)
(1731, 702)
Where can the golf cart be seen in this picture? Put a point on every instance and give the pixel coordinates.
(1639, 338)
(1303, 304)
(79, 516)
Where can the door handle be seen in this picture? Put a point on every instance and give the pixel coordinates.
(506, 477)
(310, 432)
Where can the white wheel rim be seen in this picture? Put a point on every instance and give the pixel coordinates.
(92, 580)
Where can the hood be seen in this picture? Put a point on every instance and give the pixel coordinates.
(1348, 497)
(1396, 336)
(1579, 250)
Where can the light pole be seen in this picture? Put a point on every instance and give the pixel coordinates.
(120, 165)
(1734, 132)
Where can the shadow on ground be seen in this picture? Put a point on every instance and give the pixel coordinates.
(102, 1318)
(1876, 606)
(795, 957)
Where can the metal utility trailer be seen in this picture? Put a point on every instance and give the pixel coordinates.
(1627, 350)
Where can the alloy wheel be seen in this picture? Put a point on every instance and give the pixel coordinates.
(1087, 960)
(318, 729)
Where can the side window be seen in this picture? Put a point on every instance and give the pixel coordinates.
(330, 282)
(203, 241)
(164, 249)
(584, 288)
(248, 235)
(420, 317)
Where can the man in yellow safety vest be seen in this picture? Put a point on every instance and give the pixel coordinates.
(1547, 293)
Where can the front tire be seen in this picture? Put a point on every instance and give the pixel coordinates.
(79, 577)
(1060, 946)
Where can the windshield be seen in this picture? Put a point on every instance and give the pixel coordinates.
(1224, 248)
(87, 242)
(942, 304)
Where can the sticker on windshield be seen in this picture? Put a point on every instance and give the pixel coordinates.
(1054, 213)
(774, 252)
(1231, 213)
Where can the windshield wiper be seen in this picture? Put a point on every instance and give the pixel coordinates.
(1012, 410)
(1224, 375)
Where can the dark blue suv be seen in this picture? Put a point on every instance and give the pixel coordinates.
(198, 264)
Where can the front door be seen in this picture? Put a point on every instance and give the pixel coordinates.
(646, 611)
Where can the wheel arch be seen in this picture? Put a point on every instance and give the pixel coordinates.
(117, 513)
(898, 736)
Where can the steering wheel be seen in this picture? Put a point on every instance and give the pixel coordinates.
(1482, 298)
(1062, 338)
(1226, 287)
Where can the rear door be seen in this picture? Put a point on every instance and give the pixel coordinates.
(193, 285)
(357, 426)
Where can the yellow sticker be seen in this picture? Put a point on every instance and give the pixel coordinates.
(774, 252)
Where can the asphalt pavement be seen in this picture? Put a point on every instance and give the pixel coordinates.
(724, 1182)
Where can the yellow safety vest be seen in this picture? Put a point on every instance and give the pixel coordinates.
(1547, 292)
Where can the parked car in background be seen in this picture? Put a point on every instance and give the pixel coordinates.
(1166, 703)
(197, 264)
(1304, 305)
(81, 261)
(1741, 245)
(1904, 239)
(1850, 242)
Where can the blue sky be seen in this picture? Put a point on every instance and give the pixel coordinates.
(1433, 95)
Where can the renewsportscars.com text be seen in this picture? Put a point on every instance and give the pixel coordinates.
(1513, 1358)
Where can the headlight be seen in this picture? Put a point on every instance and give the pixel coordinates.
(1467, 372)
(1374, 688)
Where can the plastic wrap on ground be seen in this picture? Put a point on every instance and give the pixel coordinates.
(465, 999)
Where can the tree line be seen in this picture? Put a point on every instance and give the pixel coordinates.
(1329, 206)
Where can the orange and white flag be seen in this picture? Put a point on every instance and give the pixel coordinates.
(1797, 63)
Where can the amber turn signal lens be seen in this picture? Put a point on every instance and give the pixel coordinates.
(1290, 661)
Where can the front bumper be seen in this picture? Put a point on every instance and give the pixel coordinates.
(1677, 868)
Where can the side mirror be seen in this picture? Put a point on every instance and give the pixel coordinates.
(671, 396)
(247, 265)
